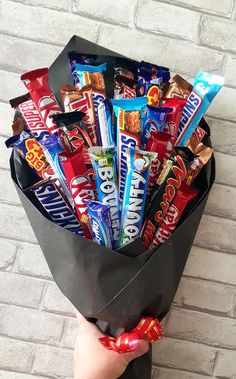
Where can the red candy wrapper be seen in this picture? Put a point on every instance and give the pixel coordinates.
(171, 220)
(157, 143)
(25, 105)
(80, 184)
(37, 84)
(172, 121)
(173, 174)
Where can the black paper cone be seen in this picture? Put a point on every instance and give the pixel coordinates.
(115, 287)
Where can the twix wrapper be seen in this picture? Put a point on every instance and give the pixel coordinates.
(178, 88)
(81, 100)
(204, 153)
(174, 172)
(175, 211)
(45, 101)
(129, 128)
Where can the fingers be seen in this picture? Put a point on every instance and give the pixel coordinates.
(142, 348)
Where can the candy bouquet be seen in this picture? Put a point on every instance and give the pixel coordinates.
(113, 164)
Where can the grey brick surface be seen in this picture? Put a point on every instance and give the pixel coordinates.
(37, 324)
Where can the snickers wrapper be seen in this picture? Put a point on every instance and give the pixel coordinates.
(103, 291)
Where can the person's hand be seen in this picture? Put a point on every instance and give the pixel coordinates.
(94, 361)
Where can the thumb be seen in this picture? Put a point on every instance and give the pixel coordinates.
(142, 348)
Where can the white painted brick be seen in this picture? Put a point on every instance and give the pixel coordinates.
(16, 355)
(230, 70)
(56, 362)
(212, 6)
(207, 296)
(7, 115)
(223, 104)
(216, 233)
(8, 192)
(55, 301)
(7, 254)
(225, 364)
(15, 50)
(119, 12)
(201, 327)
(218, 33)
(225, 166)
(223, 135)
(70, 333)
(30, 261)
(184, 355)
(18, 226)
(216, 204)
(211, 265)
(180, 56)
(11, 85)
(165, 19)
(16, 289)
(4, 162)
(16, 375)
(43, 24)
(165, 373)
(30, 324)
(55, 4)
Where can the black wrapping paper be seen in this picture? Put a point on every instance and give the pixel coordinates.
(116, 288)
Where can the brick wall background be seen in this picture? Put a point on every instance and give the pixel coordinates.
(37, 326)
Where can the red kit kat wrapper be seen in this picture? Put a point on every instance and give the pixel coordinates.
(175, 211)
(173, 174)
(81, 187)
(37, 84)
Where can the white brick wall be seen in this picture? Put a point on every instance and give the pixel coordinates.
(37, 325)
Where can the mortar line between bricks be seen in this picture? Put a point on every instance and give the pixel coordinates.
(28, 373)
(25, 276)
(157, 365)
(234, 306)
(197, 10)
(34, 342)
(40, 6)
(205, 343)
(215, 250)
(3, 33)
(209, 280)
(18, 240)
(43, 42)
(203, 310)
(207, 213)
(204, 313)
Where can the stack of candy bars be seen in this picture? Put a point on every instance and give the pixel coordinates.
(114, 170)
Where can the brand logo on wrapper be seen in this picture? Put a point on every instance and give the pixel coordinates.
(48, 106)
(154, 96)
(35, 155)
(108, 188)
(173, 184)
(131, 227)
(194, 102)
(57, 208)
(97, 98)
(81, 190)
(99, 235)
(165, 232)
(125, 141)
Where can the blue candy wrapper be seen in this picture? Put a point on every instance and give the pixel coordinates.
(103, 161)
(83, 73)
(100, 223)
(154, 121)
(139, 165)
(205, 88)
(106, 136)
(129, 114)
